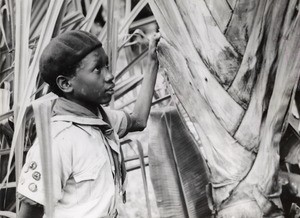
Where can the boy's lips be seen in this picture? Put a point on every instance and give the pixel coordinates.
(110, 90)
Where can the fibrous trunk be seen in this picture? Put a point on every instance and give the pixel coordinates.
(234, 77)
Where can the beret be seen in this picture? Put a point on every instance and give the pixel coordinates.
(64, 53)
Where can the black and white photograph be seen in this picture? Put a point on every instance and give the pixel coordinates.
(149, 109)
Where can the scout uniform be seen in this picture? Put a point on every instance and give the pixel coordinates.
(87, 162)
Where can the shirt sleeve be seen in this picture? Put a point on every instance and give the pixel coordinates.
(120, 121)
(31, 183)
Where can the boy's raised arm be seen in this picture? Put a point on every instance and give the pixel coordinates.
(141, 111)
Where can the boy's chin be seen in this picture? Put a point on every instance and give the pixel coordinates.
(106, 101)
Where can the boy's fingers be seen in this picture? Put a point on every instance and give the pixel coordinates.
(154, 40)
(157, 36)
(153, 43)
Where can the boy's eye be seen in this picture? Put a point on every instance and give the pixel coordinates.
(98, 68)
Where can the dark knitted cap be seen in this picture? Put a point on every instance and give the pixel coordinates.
(64, 52)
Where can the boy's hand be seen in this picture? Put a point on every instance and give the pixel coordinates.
(152, 45)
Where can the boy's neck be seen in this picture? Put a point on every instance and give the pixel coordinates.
(93, 108)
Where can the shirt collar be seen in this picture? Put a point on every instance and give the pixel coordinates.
(66, 110)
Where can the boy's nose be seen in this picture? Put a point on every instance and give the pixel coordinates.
(109, 77)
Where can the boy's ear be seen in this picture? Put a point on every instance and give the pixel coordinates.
(64, 84)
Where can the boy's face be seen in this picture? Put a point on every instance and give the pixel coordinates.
(93, 84)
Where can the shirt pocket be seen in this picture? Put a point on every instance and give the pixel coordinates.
(86, 181)
(90, 171)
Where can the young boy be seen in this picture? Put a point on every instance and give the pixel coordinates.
(87, 165)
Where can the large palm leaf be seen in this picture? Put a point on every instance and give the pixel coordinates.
(178, 171)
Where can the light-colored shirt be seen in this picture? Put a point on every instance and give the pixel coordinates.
(83, 171)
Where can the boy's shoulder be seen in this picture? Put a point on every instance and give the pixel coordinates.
(60, 127)
(68, 131)
(71, 130)
(68, 136)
